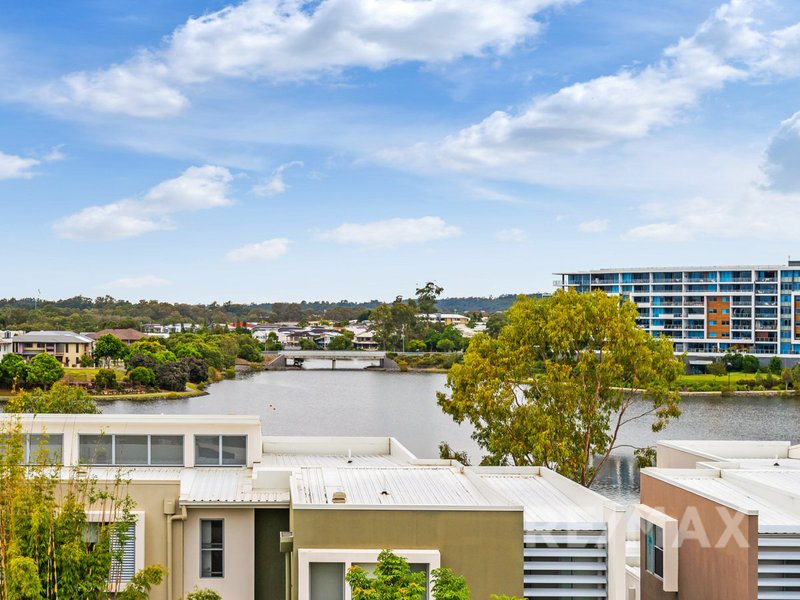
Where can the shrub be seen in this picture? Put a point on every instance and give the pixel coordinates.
(44, 370)
(142, 360)
(142, 376)
(172, 376)
(105, 379)
(402, 364)
(203, 594)
(87, 362)
(196, 369)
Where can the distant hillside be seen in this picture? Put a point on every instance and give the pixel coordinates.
(479, 303)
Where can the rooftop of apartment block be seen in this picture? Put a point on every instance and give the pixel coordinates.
(791, 264)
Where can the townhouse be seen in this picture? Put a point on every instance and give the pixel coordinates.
(66, 346)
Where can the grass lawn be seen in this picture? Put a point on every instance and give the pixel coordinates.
(735, 376)
(85, 374)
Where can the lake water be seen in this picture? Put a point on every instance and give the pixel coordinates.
(403, 405)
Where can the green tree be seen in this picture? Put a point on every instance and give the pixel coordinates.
(416, 346)
(86, 361)
(61, 399)
(142, 376)
(787, 378)
(109, 347)
(445, 345)
(343, 341)
(775, 365)
(750, 364)
(448, 586)
(427, 296)
(306, 343)
(13, 371)
(495, 323)
(716, 368)
(272, 344)
(249, 348)
(595, 358)
(44, 370)
(733, 362)
(142, 582)
(203, 594)
(172, 376)
(393, 580)
(105, 379)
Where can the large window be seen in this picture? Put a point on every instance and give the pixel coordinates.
(220, 450)
(131, 450)
(44, 448)
(212, 548)
(654, 549)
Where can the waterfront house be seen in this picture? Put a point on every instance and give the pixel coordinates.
(128, 336)
(6, 346)
(222, 507)
(448, 318)
(66, 346)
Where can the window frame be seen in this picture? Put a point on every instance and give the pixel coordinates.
(220, 550)
(220, 444)
(113, 437)
(306, 556)
(100, 517)
(652, 550)
(27, 451)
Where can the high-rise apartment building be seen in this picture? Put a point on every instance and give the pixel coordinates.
(709, 310)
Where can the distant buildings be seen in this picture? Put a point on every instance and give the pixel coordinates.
(66, 346)
(709, 310)
(128, 336)
(448, 318)
(6, 345)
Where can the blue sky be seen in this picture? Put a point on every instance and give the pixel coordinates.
(285, 150)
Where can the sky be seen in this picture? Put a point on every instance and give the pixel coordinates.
(280, 150)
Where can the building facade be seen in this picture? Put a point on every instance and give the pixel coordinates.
(67, 347)
(223, 507)
(709, 310)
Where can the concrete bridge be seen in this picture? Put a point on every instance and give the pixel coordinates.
(333, 359)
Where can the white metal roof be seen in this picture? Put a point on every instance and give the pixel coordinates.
(225, 486)
(542, 501)
(331, 460)
(425, 486)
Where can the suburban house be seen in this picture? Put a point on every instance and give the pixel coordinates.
(6, 346)
(448, 318)
(720, 520)
(224, 507)
(66, 346)
(126, 335)
(363, 338)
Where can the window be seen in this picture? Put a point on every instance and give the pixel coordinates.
(212, 547)
(124, 542)
(43, 448)
(131, 450)
(326, 581)
(712, 323)
(654, 549)
(220, 450)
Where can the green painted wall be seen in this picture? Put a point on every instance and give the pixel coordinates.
(486, 547)
(269, 562)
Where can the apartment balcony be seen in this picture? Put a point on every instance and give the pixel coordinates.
(766, 280)
(741, 280)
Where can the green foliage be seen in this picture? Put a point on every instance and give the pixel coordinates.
(393, 580)
(196, 369)
(427, 296)
(203, 594)
(142, 582)
(43, 370)
(503, 597)
(416, 346)
(394, 322)
(141, 360)
(645, 457)
(172, 376)
(109, 347)
(45, 532)
(343, 341)
(154, 349)
(62, 399)
(775, 365)
(13, 371)
(86, 361)
(448, 453)
(142, 376)
(272, 344)
(105, 379)
(448, 586)
(495, 323)
(716, 368)
(249, 348)
(445, 345)
(594, 356)
(307, 344)
(446, 334)
(749, 364)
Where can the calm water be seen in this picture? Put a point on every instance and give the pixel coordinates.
(403, 405)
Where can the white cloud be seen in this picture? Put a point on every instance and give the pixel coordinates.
(511, 235)
(628, 105)
(593, 226)
(197, 188)
(16, 167)
(275, 184)
(145, 281)
(262, 251)
(392, 232)
(291, 39)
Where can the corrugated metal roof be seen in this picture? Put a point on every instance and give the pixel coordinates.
(542, 501)
(53, 337)
(735, 494)
(226, 486)
(390, 486)
(331, 460)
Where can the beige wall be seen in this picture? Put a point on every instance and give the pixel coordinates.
(486, 547)
(704, 573)
(239, 535)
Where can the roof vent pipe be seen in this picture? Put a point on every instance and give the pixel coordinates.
(339, 498)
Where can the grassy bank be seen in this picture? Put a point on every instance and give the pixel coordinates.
(732, 382)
